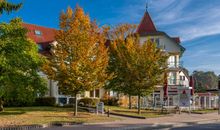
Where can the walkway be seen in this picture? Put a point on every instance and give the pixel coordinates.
(150, 123)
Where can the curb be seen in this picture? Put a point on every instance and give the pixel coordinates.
(124, 115)
(29, 127)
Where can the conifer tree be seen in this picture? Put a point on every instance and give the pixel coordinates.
(8, 7)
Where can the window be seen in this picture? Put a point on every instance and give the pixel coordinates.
(157, 40)
(172, 78)
(40, 48)
(37, 32)
(92, 93)
(172, 61)
(97, 93)
(183, 77)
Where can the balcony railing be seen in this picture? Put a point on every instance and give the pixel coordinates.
(177, 82)
(175, 64)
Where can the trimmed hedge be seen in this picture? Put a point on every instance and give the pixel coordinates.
(72, 101)
(45, 101)
(16, 103)
(112, 101)
(88, 102)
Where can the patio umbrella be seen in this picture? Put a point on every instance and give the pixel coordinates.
(191, 84)
(165, 88)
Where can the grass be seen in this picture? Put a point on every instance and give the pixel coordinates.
(133, 112)
(17, 116)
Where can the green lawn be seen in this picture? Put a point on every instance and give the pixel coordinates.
(133, 112)
(44, 115)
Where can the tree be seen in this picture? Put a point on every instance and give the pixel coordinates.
(205, 80)
(138, 68)
(19, 64)
(80, 57)
(8, 7)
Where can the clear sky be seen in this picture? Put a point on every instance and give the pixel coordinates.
(197, 22)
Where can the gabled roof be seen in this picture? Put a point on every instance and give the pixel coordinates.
(47, 34)
(146, 25)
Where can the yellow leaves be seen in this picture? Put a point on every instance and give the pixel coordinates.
(137, 66)
(69, 13)
(80, 57)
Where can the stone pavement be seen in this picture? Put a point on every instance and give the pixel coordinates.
(175, 120)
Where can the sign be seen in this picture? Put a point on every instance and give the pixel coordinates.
(184, 97)
(100, 108)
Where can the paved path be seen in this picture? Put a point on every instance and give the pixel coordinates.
(167, 122)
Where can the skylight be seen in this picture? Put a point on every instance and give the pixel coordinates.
(37, 32)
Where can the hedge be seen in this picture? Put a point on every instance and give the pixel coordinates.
(45, 101)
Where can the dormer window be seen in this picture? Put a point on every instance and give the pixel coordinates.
(37, 32)
(40, 47)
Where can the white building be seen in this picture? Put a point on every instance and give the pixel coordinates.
(176, 77)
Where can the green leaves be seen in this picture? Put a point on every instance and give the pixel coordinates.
(8, 7)
(19, 64)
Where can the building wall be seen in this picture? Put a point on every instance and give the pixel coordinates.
(170, 45)
(185, 82)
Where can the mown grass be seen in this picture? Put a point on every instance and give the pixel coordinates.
(44, 115)
(148, 113)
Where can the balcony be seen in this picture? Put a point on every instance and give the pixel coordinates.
(175, 65)
(177, 82)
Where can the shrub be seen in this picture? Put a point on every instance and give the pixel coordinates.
(16, 103)
(88, 102)
(72, 101)
(111, 101)
(45, 101)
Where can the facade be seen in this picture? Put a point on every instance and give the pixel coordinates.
(176, 75)
(45, 37)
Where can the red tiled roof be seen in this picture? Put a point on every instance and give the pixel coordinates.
(47, 34)
(177, 39)
(146, 25)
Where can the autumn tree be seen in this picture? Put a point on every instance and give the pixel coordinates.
(19, 65)
(80, 57)
(138, 67)
(8, 7)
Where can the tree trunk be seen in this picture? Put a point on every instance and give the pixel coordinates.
(1, 105)
(75, 107)
(139, 104)
(129, 101)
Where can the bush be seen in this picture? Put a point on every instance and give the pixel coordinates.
(72, 101)
(111, 101)
(16, 103)
(45, 101)
(88, 102)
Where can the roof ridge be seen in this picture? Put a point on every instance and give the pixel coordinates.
(39, 25)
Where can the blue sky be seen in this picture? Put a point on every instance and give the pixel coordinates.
(197, 22)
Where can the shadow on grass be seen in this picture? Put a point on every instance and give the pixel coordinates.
(43, 109)
(11, 113)
(142, 111)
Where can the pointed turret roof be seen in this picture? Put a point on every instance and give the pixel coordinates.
(146, 25)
